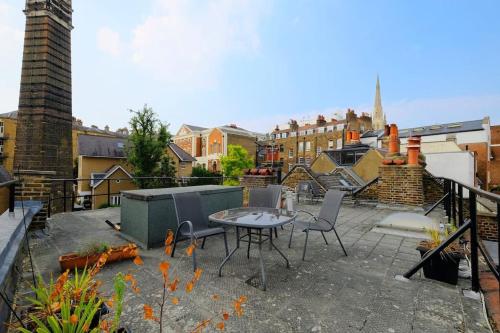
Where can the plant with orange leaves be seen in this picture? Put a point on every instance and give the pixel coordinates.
(170, 285)
(72, 303)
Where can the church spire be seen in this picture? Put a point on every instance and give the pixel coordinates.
(378, 117)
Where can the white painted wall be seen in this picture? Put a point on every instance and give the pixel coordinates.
(454, 165)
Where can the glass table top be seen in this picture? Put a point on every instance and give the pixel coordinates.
(253, 217)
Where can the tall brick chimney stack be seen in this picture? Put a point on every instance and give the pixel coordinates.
(43, 138)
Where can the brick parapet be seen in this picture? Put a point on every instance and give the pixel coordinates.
(401, 185)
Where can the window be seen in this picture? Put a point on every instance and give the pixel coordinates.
(115, 200)
(284, 135)
(95, 177)
(301, 146)
(308, 146)
(318, 151)
(290, 153)
(330, 144)
(308, 161)
(302, 132)
(1, 128)
(293, 134)
(301, 160)
(282, 148)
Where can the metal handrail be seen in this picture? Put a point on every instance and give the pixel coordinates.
(453, 190)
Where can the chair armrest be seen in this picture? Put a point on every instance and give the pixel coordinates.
(320, 218)
(190, 225)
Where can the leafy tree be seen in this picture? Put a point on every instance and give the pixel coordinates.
(167, 169)
(206, 177)
(147, 143)
(234, 163)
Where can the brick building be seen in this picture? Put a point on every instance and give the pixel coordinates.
(207, 145)
(302, 143)
(495, 161)
(474, 136)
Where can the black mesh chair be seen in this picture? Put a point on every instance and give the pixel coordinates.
(192, 222)
(324, 222)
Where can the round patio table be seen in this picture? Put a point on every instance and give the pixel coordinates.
(256, 218)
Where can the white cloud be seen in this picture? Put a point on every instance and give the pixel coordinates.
(108, 41)
(186, 41)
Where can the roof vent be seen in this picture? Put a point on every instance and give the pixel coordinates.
(454, 125)
(233, 126)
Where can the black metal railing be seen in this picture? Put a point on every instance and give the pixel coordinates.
(68, 198)
(454, 204)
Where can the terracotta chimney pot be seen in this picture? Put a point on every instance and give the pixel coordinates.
(348, 136)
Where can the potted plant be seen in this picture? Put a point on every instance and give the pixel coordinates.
(74, 303)
(90, 255)
(444, 267)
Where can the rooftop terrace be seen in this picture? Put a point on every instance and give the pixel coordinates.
(328, 292)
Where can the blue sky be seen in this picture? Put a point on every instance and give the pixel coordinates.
(259, 63)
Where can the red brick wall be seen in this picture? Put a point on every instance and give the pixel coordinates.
(186, 144)
(495, 163)
(487, 227)
(481, 150)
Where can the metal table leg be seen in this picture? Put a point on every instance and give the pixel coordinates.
(281, 253)
(261, 259)
(226, 259)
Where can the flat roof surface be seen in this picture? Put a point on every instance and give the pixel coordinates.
(328, 292)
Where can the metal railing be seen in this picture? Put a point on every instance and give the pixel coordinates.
(68, 197)
(454, 205)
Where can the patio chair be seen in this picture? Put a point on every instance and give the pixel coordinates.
(309, 189)
(192, 222)
(266, 198)
(276, 190)
(324, 222)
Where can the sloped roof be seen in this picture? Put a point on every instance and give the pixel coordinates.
(195, 128)
(11, 115)
(101, 146)
(463, 126)
(239, 131)
(372, 134)
(109, 173)
(181, 153)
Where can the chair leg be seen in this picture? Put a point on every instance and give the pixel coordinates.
(291, 234)
(225, 244)
(342, 245)
(203, 244)
(175, 242)
(249, 231)
(193, 241)
(323, 234)
(276, 232)
(305, 245)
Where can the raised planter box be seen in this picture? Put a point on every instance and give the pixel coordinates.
(146, 215)
(74, 260)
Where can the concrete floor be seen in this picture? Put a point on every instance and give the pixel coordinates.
(328, 292)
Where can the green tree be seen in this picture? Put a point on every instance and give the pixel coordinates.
(206, 177)
(147, 142)
(234, 163)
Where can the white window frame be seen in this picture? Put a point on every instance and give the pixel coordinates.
(308, 145)
(330, 144)
(290, 152)
(2, 128)
(116, 200)
(301, 147)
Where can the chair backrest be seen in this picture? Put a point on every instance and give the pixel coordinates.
(304, 187)
(331, 206)
(277, 194)
(315, 189)
(261, 197)
(189, 207)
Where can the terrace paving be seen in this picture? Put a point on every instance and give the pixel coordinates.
(326, 293)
